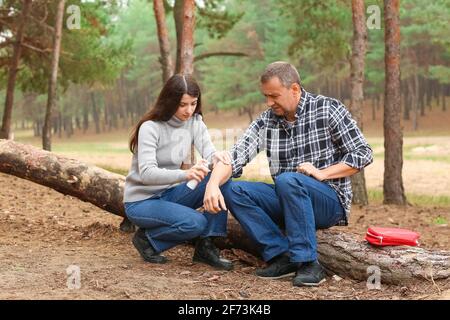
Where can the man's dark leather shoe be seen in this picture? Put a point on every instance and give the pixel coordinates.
(207, 252)
(309, 274)
(279, 267)
(145, 249)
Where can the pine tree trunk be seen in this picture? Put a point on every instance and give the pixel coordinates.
(429, 90)
(374, 113)
(357, 91)
(414, 99)
(60, 124)
(5, 131)
(393, 190)
(95, 114)
(421, 94)
(123, 104)
(178, 11)
(85, 118)
(52, 84)
(444, 107)
(406, 105)
(163, 38)
(187, 42)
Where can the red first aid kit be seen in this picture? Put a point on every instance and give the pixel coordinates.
(392, 237)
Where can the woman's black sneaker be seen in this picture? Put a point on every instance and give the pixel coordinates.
(145, 249)
(207, 252)
(279, 267)
(309, 274)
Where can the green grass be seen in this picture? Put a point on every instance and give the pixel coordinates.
(90, 148)
(440, 220)
(266, 180)
(408, 153)
(376, 196)
(121, 171)
(407, 156)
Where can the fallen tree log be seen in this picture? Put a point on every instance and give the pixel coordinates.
(340, 253)
(68, 176)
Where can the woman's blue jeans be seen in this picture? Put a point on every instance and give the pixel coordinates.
(171, 219)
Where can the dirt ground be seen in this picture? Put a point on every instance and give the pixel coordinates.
(43, 232)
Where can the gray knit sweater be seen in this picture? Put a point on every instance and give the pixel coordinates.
(162, 147)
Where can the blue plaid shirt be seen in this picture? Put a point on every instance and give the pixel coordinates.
(323, 133)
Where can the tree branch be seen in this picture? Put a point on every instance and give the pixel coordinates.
(29, 46)
(219, 53)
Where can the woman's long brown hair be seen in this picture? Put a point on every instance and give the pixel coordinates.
(168, 102)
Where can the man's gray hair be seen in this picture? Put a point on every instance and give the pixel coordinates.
(284, 71)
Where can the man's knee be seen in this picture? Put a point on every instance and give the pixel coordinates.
(234, 194)
(232, 189)
(225, 188)
(287, 179)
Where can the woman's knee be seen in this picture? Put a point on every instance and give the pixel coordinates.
(194, 225)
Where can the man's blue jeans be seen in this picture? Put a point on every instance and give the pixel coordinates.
(298, 202)
(171, 219)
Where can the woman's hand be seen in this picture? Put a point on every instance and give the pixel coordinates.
(221, 156)
(198, 172)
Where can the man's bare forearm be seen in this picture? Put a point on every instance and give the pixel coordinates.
(220, 174)
(339, 170)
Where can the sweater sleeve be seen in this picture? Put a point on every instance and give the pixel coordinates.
(202, 139)
(148, 166)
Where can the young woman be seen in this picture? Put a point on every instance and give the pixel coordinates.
(157, 198)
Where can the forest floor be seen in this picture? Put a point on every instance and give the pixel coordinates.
(43, 232)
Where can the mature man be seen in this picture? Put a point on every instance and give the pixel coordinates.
(313, 146)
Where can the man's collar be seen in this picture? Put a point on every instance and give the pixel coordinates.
(301, 104)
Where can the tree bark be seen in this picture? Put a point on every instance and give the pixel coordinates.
(68, 176)
(374, 113)
(52, 84)
(95, 114)
(85, 118)
(178, 10)
(187, 38)
(163, 38)
(421, 94)
(393, 190)
(444, 107)
(340, 253)
(357, 88)
(406, 104)
(413, 88)
(219, 54)
(5, 132)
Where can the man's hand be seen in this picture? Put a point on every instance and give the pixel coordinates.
(213, 200)
(309, 169)
(221, 156)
